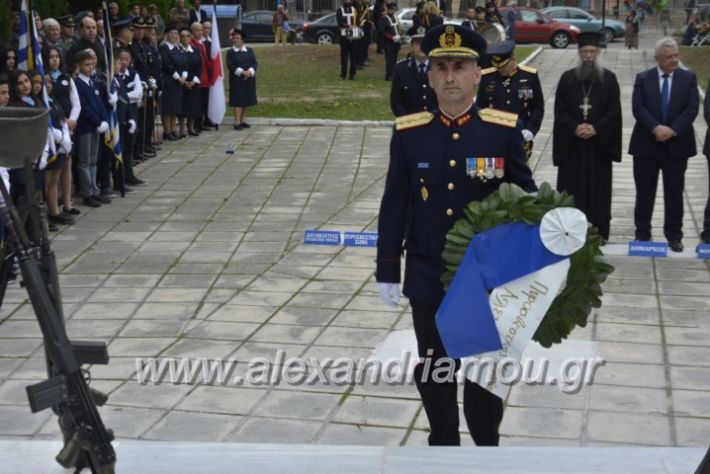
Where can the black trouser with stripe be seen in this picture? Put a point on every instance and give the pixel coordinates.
(482, 409)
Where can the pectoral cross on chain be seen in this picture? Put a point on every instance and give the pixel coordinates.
(585, 107)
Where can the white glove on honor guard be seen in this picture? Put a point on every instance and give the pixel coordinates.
(528, 135)
(389, 293)
(103, 128)
(131, 126)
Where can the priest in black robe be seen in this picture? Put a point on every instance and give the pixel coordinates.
(587, 133)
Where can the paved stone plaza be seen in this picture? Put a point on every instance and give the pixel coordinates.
(207, 260)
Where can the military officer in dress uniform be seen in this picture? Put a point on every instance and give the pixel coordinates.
(440, 161)
(517, 89)
(149, 69)
(122, 34)
(410, 83)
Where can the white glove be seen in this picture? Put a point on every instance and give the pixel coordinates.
(112, 99)
(57, 135)
(528, 135)
(66, 143)
(152, 83)
(131, 126)
(103, 128)
(389, 293)
(395, 39)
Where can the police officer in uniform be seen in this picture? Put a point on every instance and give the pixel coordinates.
(439, 162)
(410, 83)
(517, 89)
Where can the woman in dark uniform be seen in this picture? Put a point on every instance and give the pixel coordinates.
(191, 99)
(241, 63)
(174, 72)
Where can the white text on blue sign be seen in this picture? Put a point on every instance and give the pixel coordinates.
(321, 237)
(360, 239)
(648, 249)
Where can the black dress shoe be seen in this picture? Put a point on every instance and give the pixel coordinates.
(182, 135)
(174, 136)
(103, 198)
(91, 202)
(705, 237)
(193, 134)
(73, 211)
(642, 238)
(134, 181)
(245, 125)
(238, 126)
(675, 245)
(52, 227)
(61, 218)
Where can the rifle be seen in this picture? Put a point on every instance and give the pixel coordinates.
(66, 391)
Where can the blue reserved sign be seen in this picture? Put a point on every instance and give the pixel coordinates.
(360, 239)
(648, 249)
(703, 251)
(321, 237)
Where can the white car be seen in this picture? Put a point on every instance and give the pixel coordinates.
(405, 16)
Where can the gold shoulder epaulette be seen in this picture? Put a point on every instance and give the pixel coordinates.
(488, 70)
(498, 117)
(529, 69)
(405, 122)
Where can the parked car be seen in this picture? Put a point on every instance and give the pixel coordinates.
(531, 26)
(586, 22)
(256, 25)
(405, 16)
(324, 30)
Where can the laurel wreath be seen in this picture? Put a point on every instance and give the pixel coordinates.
(588, 266)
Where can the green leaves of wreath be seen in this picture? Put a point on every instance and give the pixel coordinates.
(588, 266)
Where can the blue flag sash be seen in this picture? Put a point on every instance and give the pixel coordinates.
(505, 253)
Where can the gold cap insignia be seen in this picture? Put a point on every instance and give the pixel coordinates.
(449, 38)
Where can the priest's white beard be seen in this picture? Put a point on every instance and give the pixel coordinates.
(589, 70)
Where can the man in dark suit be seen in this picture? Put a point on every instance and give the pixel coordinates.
(410, 91)
(197, 14)
(665, 104)
(440, 161)
(705, 236)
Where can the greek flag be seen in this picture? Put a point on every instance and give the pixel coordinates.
(29, 57)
